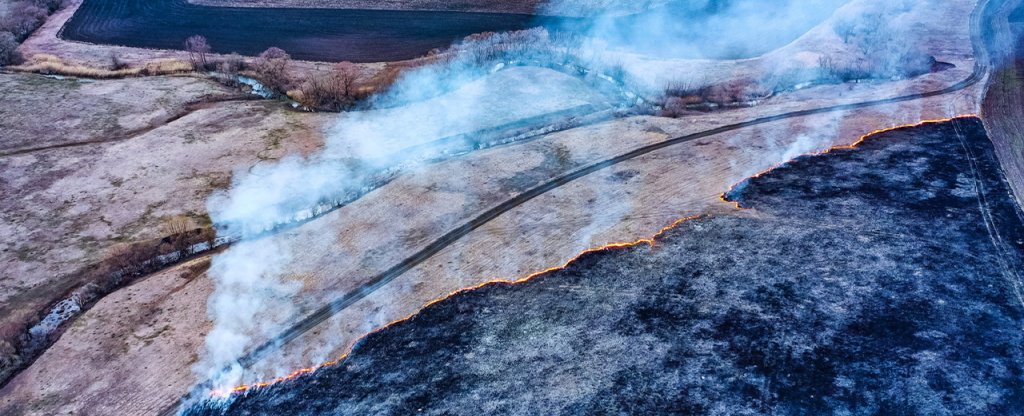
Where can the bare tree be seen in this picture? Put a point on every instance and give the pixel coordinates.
(272, 68)
(845, 28)
(197, 48)
(345, 76)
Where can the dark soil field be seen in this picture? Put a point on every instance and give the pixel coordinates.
(312, 34)
(334, 35)
(883, 279)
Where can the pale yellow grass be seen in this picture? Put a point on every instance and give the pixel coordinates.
(52, 64)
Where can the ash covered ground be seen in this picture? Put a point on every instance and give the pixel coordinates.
(878, 280)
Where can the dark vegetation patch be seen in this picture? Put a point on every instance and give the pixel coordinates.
(18, 19)
(389, 35)
(880, 280)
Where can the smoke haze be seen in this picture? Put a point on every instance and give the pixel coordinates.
(399, 131)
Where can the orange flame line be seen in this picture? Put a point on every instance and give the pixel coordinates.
(610, 246)
(853, 145)
(650, 241)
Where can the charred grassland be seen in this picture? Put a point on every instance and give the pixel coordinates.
(879, 279)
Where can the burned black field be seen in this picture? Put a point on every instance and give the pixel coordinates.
(313, 34)
(877, 280)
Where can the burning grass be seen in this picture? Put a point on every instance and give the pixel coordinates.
(649, 241)
(756, 314)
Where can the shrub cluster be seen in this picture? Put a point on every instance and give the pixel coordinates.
(682, 97)
(18, 18)
(886, 43)
(335, 91)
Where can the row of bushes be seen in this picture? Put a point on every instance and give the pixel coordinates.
(337, 89)
(680, 98)
(18, 19)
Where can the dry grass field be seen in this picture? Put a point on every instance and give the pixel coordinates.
(91, 166)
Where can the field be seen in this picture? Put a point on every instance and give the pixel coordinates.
(530, 167)
(806, 293)
(316, 35)
(99, 170)
(485, 6)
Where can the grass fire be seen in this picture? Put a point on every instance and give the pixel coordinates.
(308, 207)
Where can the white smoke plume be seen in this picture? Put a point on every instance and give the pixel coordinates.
(400, 129)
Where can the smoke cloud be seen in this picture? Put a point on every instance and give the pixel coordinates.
(627, 53)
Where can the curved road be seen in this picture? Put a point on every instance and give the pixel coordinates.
(338, 304)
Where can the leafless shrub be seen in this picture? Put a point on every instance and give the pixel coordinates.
(197, 48)
(272, 68)
(231, 64)
(683, 97)
(176, 230)
(116, 63)
(22, 18)
(176, 225)
(127, 259)
(687, 88)
(334, 91)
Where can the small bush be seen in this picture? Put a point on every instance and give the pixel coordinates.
(334, 91)
(271, 67)
(231, 65)
(116, 63)
(50, 5)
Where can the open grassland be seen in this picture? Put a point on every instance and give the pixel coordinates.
(490, 6)
(90, 167)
